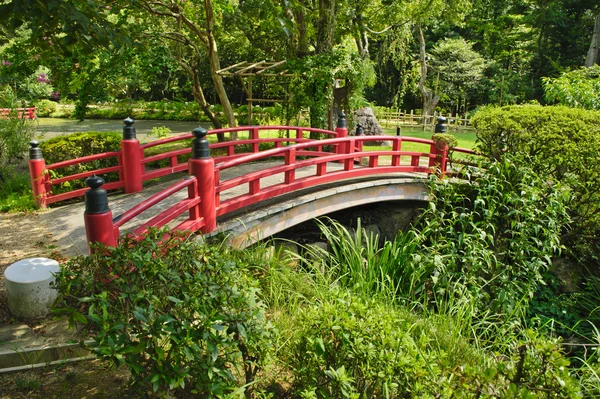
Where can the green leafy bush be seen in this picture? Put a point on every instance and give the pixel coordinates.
(177, 314)
(345, 346)
(494, 237)
(15, 134)
(45, 107)
(76, 145)
(558, 143)
(577, 88)
(15, 193)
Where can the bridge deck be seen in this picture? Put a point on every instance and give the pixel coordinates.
(67, 224)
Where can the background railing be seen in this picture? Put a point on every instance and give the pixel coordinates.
(22, 113)
(390, 117)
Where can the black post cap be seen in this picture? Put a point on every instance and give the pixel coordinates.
(35, 152)
(128, 129)
(398, 131)
(341, 120)
(200, 149)
(96, 200)
(359, 130)
(441, 126)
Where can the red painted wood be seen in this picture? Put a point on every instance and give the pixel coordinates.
(99, 229)
(38, 177)
(204, 171)
(51, 199)
(168, 215)
(89, 158)
(83, 175)
(133, 168)
(155, 199)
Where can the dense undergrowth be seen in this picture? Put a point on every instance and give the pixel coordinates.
(442, 311)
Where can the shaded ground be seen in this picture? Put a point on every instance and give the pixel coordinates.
(22, 236)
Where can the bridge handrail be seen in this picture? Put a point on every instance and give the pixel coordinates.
(132, 160)
(169, 214)
(205, 187)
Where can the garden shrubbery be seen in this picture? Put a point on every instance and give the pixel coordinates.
(558, 143)
(76, 145)
(176, 314)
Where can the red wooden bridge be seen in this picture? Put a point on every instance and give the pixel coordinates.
(298, 161)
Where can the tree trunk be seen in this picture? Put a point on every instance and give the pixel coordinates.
(215, 65)
(430, 99)
(593, 56)
(300, 41)
(326, 26)
(198, 94)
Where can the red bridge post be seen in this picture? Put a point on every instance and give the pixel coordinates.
(439, 149)
(202, 166)
(342, 131)
(37, 174)
(131, 156)
(99, 227)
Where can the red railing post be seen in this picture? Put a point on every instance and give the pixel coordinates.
(439, 149)
(202, 166)
(359, 132)
(342, 131)
(131, 155)
(37, 174)
(99, 227)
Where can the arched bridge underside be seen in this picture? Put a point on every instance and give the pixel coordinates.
(281, 213)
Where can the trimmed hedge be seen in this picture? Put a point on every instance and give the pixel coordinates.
(558, 142)
(76, 145)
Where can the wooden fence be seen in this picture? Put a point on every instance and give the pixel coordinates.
(391, 118)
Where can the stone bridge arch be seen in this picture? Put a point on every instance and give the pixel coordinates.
(280, 214)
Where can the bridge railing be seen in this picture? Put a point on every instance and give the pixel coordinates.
(205, 187)
(21, 113)
(135, 166)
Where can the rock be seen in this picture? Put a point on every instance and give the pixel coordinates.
(371, 127)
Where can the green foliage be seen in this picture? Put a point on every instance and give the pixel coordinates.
(446, 139)
(558, 143)
(493, 238)
(348, 346)
(15, 133)
(160, 132)
(177, 314)
(359, 261)
(76, 145)
(312, 87)
(45, 108)
(578, 88)
(457, 71)
(15, 193)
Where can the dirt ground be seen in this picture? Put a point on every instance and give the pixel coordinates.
(24, 236)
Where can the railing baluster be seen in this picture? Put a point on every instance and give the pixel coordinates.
(290, 159)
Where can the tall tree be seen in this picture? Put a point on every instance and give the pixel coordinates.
(593, 55)
(187, 29)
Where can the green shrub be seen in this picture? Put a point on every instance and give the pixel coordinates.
(15, 193)
(177, 314)
(76, 145)
(494, 237)
(558, 143)
(45, 107)
(348, 347)
(15, 134)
